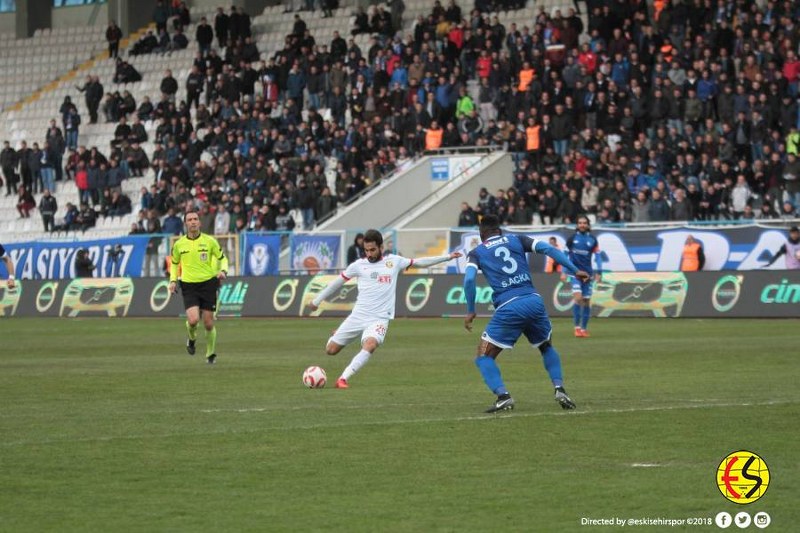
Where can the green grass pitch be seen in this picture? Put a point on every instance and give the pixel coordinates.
(108, 425)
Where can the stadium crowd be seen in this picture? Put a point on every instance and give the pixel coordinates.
(678, 110)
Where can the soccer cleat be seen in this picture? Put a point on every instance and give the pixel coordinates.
(341, 383)
(190, 346)
(585, 333)
(563, 400)
(504, 403)
(211, 359)
(578, 332)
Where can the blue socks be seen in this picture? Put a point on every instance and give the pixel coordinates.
(552, 363)
(491, 373)
(576, 314)
(587, 312)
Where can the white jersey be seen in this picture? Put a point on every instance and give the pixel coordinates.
(377, 285)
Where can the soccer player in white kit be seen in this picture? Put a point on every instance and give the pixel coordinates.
(377, 286)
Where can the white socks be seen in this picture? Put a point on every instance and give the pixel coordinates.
(355, 365)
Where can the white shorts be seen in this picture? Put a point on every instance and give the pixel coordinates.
(352, 327)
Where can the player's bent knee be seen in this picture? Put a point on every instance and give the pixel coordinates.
(545, 346)
(370, 344)
(332, 348)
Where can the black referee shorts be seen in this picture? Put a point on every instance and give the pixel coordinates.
(202, 294)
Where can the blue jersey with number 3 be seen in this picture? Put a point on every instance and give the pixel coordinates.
(503, 262)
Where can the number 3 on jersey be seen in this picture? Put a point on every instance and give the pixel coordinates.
(504, 254)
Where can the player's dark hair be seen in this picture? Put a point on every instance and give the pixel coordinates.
(189, 212)
(373, 235)
(489, 224)
(583, 217)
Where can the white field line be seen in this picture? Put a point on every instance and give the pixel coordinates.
(355, 423)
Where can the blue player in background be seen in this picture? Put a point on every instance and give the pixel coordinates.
(519, 309)
(582, 246)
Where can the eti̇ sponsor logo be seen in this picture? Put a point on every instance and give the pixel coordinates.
(232, 297)
(418, 294)
(742, 477)
(726, 293)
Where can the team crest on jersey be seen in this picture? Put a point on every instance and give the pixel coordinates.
(389, 264)
(203, 256)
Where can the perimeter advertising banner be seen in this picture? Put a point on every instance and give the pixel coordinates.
(750, 294)
(55, 260)
(650, 250)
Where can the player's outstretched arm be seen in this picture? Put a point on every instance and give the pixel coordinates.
(10, 267)
(469, 295)
(599, 261)
(425, 262)
(777, 255)
(557, 255)
(329, 289)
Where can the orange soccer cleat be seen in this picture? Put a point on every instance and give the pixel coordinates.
(341, 383)
(585, 333)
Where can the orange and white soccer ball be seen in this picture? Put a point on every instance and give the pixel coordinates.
(314, 377)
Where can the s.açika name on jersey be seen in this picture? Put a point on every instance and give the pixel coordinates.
(516, 280)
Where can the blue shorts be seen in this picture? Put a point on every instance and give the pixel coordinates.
(525, 315)
(583, 287)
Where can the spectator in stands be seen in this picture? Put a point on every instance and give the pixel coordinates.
(169, 86)
(25, 202)
(356, 250)
(110, 107)
(8, 163)
(162, 42)
(172, 223)
(741, 196)
(152, 226)
(239, 24)
(326, 204)
(221, 24)
(48, 206)
(87, 217)
(681, 209)
(160, 15)
(68, 221)
(54, 138)
(120, 204)
(467, 217)
(23, 156)
(659, 208)
(146, 110)
(328, 6)
(47, 167)
(361, 24)
(126, 73)
(113, 36)
(182, 17)
(93, 93)
(204, 35)
(127, 104)
(146, 44)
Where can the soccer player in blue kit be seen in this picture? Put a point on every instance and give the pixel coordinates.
(582, 245)
(519, 309)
